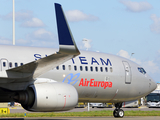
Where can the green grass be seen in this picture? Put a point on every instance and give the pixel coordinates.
(142, 113)
(102, 113)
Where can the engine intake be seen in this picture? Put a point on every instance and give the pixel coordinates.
(26, 98)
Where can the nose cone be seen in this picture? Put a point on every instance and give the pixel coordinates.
(153, 85)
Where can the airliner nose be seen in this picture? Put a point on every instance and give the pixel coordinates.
(153, 85)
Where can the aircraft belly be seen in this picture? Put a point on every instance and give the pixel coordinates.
(15, 86)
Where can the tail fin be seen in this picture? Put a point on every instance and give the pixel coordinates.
(66, 40)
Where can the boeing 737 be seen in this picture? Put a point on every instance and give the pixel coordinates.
(46, 79)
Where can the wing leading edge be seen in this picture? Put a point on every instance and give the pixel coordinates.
(67, 51)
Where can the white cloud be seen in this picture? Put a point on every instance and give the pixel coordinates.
(136, 6)
(43, 38)
(125, 54)
(87, 43)
(43, 34)
(76, 15)
(5, 40)
(19, 16)
(150, 66)
(34, 22)
(26, 17)
(43, 43)
(40, 38)
(155, 27)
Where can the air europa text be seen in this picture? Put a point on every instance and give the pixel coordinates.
(93, 83)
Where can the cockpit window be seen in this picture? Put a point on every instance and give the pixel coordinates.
(141, 70)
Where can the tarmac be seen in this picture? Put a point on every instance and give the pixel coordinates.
(142, 108)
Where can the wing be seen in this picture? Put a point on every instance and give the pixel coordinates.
(67, 51)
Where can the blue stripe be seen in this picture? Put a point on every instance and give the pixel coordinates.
(63, 30)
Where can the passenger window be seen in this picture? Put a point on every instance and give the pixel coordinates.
(16, 65)
(4, 64)
(106, 69)
(69, 67)
(111, 70)
(86, 67)
(63, 67)
(96, 69)
(57, 67)
(21, 64)
(10, 64)
(101, 68)
(81, 68)
(75, 68)
(91, 68)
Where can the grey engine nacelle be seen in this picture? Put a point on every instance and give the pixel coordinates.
(46, 97)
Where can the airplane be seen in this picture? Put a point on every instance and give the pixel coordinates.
(47, 79)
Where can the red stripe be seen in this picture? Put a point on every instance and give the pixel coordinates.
(64, 102)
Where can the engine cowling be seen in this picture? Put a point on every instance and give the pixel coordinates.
(46, 97)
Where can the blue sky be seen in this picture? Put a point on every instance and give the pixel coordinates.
(119, 27)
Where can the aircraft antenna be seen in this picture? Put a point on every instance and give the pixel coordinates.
(13, 23)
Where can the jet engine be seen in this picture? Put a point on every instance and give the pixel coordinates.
(46, 97)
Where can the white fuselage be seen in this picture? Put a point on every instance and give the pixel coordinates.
(98, 77)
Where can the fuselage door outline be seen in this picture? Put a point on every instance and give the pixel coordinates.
(128, 73)
(4, 64)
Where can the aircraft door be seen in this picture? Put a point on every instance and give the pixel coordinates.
(128, 73)
(4, 64)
